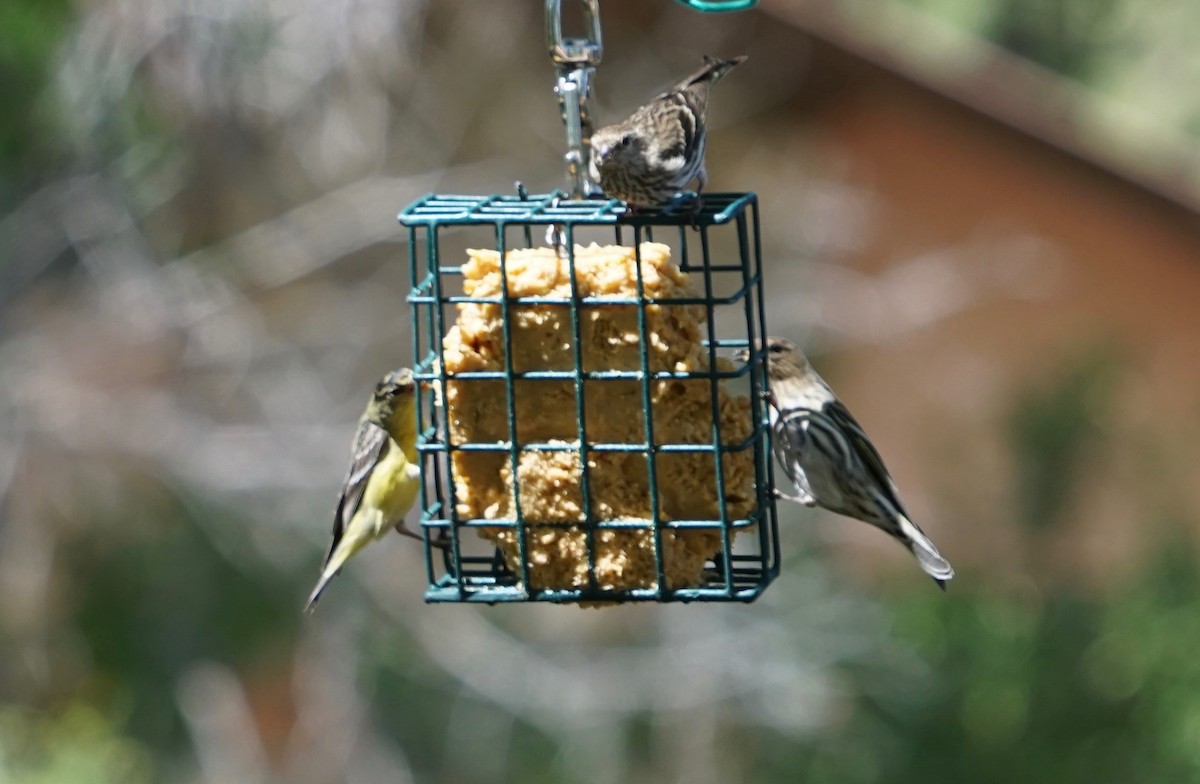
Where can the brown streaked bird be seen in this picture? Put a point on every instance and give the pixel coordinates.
(829, 458)
(659, 150)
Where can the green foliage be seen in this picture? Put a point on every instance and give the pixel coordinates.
(150, 608)
(1140, 54)
(1029, 688)
(1068, 689)
(1071, 37)
(1054, 427)
(77, 746)
(32, 30)
(399, 679)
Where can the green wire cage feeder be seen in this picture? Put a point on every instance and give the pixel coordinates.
(586, 436)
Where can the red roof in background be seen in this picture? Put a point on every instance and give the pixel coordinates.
(1008, 89)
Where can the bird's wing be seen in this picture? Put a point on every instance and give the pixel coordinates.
(672, 127)
(370, 446)
(867, 453)
(789, 428)
(679, 113)
(712, 67)
(688, 133)
(789, 443)
(696, 85)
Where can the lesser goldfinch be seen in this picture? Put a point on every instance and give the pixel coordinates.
(829, 458)
(655, 153)
(382, 483)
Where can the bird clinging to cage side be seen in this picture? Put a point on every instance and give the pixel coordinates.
(659, 150)
(829, 458)
(382, 483)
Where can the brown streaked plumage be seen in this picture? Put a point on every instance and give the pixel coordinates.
(829, 458)
(659, 150)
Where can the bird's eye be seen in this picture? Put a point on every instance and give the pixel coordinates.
(776, 349)
(626, 140)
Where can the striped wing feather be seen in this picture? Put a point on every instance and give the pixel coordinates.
(370, 446)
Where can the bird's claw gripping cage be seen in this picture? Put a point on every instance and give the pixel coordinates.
(569, 451)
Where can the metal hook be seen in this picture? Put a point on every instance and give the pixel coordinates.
(575, 60)
(565, 51)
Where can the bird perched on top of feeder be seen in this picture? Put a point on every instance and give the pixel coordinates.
(829, 458)
(383, 480)
(659, 150)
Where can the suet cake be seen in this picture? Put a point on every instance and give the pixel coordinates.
(550, 483)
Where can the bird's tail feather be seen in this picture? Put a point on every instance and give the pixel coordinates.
(315, 596)
(350, 543)
(711, 72)
(927, 554)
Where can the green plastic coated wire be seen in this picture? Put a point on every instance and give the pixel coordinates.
(719, 248)
(717, 6)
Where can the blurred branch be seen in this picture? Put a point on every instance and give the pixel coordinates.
(222, 728)
(332, 226)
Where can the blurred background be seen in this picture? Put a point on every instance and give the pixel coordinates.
(980, 216)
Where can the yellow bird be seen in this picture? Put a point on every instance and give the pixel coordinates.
(383, 481)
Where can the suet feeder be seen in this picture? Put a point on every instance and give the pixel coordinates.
(588, 438)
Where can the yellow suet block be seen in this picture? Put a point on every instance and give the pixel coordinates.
(550, 482)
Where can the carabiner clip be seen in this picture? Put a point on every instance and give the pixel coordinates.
(567, 51)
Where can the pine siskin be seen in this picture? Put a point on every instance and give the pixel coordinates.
(383, 480)
(829, 458)
(659, 149)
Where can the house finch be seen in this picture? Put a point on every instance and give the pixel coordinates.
(659, 150)
(382, 483)
(829, 458)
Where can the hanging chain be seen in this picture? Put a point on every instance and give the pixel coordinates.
(575, 60)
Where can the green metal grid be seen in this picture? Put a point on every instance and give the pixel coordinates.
(468, 570)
